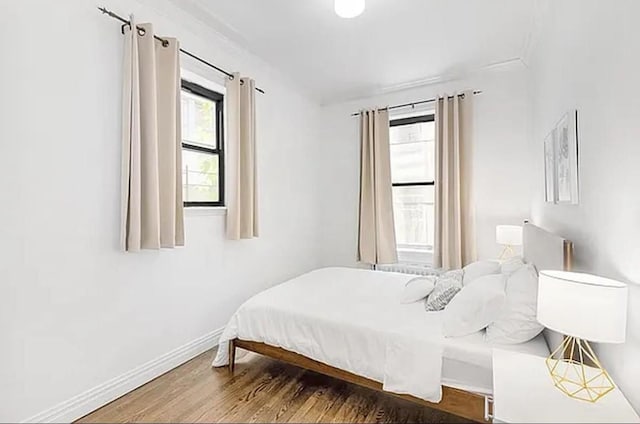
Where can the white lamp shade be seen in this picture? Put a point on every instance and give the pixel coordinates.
(509, 235)
(349, 8)
(583, 305)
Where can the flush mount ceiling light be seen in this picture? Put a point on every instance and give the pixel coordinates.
(349, 8)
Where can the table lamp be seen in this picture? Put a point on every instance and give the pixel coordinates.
(585, 308)
(509, 236)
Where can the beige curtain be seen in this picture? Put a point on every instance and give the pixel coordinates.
(241, 188)
(151, 212)
(455, 233)
(376, 235)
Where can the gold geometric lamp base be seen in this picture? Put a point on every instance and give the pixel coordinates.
(507, 253)
(508, 236)
(585, 307)
(578, 373)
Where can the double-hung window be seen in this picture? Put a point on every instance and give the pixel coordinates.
(412, 144)
(202, 146)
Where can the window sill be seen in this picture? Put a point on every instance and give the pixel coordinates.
(205, 211)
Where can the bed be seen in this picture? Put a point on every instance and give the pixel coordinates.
(350, 324)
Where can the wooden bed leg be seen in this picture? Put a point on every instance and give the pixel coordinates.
(232, 356)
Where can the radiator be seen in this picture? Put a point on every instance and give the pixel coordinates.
(414, 269)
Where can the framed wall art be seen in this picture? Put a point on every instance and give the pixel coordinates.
(561, 161)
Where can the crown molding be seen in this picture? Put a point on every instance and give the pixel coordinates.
(200, 23)
(540, 11)
(223, 31)
(366, 93)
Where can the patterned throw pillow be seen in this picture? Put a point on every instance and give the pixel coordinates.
(447, 286)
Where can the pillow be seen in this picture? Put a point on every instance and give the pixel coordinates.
(479, 269)
(447, 285)
(417, 288)
(477, 305)
(511, 265)
(517, 322)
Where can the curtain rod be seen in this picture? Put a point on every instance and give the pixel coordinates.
(475, 93)
(164, 43)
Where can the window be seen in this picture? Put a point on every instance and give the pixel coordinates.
(412, 144)
(202, 146)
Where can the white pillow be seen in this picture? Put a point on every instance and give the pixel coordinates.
(517, 323)
(511, 265)
(477, 305)
(478, 269)
(417, 289)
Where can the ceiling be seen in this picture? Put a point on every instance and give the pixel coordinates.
(394, 43)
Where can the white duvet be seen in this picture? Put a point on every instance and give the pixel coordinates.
(351, 319)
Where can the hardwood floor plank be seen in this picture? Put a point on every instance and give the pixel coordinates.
(252, 405)
(270, 410)
(260, 390)
(336, 396)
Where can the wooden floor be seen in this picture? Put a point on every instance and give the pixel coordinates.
(261, 390)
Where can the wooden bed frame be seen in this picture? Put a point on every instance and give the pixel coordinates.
(543, 249)
(459, 402)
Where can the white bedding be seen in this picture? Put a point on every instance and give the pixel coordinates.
(352, 319)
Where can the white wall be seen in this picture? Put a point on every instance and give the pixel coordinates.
(74, 310)
(585, 56)
(502, 173)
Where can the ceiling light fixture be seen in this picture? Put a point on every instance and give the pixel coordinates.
(349, 8)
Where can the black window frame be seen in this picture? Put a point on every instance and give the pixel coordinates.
(409, 121)
(429, 117)
(218, 98)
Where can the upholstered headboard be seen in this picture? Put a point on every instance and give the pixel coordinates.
(548, 251)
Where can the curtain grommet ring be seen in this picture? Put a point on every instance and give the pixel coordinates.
(165, 43)
(141, 32)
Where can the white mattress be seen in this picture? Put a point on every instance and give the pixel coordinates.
(467, 362)
(344, 317)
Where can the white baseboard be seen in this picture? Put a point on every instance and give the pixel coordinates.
(84, 403)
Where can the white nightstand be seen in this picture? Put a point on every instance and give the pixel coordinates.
(523, 393)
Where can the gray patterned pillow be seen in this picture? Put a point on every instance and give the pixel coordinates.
(447, 286)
